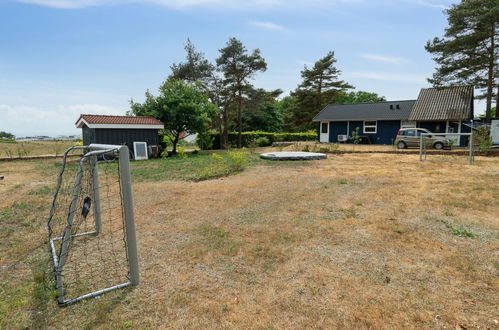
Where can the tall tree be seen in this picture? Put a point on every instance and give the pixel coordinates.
(238, 68)
(195, 68)
(469, 50)
(183, 108)
(320, 86)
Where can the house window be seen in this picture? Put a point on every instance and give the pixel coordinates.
(370, 127)
(324, 128)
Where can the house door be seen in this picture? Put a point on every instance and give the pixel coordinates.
(324, 134)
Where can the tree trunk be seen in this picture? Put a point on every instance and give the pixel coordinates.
(239, 119)
(490, 79)
(220, 132)
(174, 143)
(225, 119)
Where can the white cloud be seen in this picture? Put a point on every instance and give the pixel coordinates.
(410, 78)
(384, 58)
(267, 25)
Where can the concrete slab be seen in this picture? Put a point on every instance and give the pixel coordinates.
(292, 155)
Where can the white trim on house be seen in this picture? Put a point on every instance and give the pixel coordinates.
(324, 136)
(364, 126)
(408, 124)
(82, 122)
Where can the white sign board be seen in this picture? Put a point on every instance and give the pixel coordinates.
(140, 150)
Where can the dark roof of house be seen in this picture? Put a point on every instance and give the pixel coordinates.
(387, 110)
(444, 103)
(118, 120)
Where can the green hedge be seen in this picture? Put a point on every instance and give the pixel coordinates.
(262, 139)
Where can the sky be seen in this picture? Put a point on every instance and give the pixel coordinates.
(61, 58)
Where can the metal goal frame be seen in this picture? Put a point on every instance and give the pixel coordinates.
(92, 153)
(422, 145)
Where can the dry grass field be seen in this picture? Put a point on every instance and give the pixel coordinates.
(356, 241)
(33, 148)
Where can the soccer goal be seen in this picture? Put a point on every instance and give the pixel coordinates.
(91, 223)
(426, 140)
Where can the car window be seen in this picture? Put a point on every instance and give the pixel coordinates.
(410, 132)
(421, 131)
(402, 132)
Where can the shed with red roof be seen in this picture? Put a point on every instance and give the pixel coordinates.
(139, 133)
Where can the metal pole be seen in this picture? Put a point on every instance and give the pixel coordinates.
(95, 182)
(126, 190)
(421, 147)
(471, 160)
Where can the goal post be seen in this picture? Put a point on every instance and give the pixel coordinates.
(91, 224)
(423, 144)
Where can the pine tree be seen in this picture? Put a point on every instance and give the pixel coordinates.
(469, 50)
(195, 68)
(238, 67)
(319, 87)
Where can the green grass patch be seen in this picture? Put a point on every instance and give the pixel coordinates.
(45, 190)
(459, 231)
(218, 239)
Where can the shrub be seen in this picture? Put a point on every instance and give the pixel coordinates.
(236, 161)
(205, 140)
(232, 162)
(263, 141)
(248, 137)
(483, 139)
(181, 153)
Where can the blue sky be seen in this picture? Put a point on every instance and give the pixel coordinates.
(60, 58)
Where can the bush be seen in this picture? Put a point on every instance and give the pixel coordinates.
(181, 153)
(263, 141)
(248, 137)
(483, 138)
(232, 162)
(205, 140)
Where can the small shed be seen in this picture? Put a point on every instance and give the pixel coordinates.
(138, 133)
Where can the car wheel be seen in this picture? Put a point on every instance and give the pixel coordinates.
(438, 146)
(401, 145)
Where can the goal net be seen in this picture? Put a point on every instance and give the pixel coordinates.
(430, 140)
(91, 225)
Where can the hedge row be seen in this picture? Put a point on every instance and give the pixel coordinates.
(262, 139)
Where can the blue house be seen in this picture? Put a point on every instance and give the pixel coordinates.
(440, 110)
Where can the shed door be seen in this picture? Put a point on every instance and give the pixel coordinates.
(324, 135)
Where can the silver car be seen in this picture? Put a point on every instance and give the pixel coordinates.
(410, 137)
